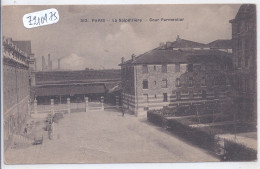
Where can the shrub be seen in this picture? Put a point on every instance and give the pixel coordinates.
(57, 117)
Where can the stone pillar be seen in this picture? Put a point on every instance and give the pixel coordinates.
(52, 107)
(35, 106)
(117, 101)
(29, 107)
(68, 103)
(52, 122)
(102, 102)
(86, 104)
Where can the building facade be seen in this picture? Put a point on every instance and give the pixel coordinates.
(175, 74)
(15, 87)
(244, 60)
(76, 85)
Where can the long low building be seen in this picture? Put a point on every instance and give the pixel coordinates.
(76, 85)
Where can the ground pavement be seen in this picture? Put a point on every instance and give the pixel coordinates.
(107, 137)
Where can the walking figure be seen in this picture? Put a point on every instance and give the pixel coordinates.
(123, 112)
(25, 130)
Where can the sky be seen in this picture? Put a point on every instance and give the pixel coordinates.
(101, 45)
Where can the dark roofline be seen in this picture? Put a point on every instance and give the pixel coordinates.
(130, 61)
(224, 46)
(245, 11)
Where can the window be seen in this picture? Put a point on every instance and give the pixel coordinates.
(203, 81)
(145, 84)
(239, 62)
(146, 98)
(246, 61)
(145, 69)
(191, 94)
(164, 83)
(164, 68)
(155, 82)
(155, 96)
(204, 94)
(203, 68)
(154, 67)
(165, 98)
(216, 94)
(245, 84)
(190, 67)
(178, 96)
(190, 81)
(177, 67)
(177, 82)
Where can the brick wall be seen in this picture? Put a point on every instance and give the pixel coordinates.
(154, 97)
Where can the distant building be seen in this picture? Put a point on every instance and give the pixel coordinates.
(175, 74)
(244, 60)
(76, 85)
(15, 85)
(26, 47)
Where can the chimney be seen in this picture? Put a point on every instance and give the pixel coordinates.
(58, 64)
(50, 66)
(42, 63)
(178, 37)
(122, 60)
(162, 46)
(133, 57)
(168, 44)
(49, 62)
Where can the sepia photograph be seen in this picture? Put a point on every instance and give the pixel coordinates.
(102, 84)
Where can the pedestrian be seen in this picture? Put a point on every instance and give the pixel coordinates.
(123, 112)
(25, 130)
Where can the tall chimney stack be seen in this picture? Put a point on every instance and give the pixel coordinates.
(50, 66)
(58, 64)
(133, 57)
(49, 62)
(178, 37)
(42, 63)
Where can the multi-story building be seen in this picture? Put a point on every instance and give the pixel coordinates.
(15, 86)
(176, 73)
(244, 60)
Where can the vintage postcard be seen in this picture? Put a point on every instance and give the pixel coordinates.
(170, 83)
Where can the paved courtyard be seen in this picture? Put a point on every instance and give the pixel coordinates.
(107, 137)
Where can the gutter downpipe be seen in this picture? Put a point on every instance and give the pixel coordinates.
(136, 97)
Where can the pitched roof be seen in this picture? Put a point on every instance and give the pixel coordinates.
(24, 46)
(246, 11)
(220, 44)
(182, 56)
(186, 53)
(182, 43)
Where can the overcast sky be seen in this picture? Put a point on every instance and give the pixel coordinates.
(101, 45)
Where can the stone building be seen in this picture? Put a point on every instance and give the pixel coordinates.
(76, 85)
(244, 60)
(15, 85)
(176, 73)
